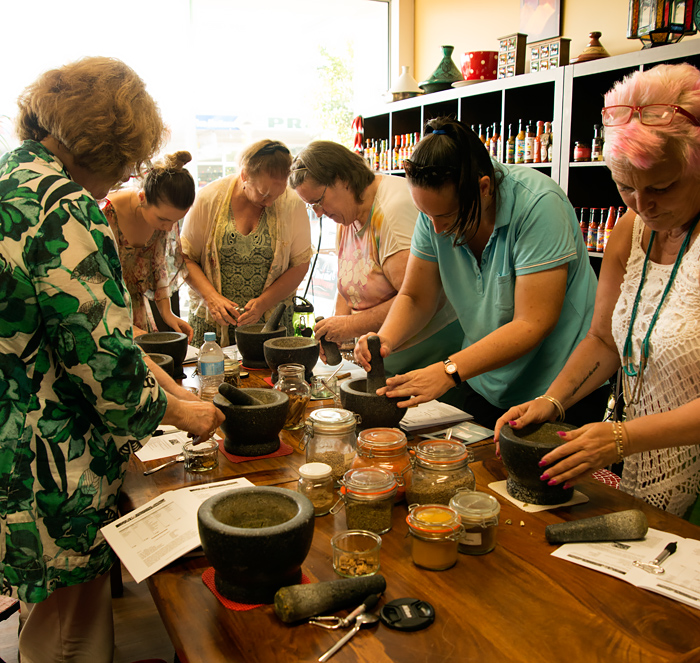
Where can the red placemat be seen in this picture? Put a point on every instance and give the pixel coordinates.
(208, 580)
(607, 477)
(284, 450)
(269, 381)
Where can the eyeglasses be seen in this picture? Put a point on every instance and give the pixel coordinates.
(318, 205)
(652, 115)
(270, 148)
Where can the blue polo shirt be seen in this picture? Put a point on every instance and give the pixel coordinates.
(535, 230)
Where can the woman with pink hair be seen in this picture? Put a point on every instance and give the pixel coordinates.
(647, 311)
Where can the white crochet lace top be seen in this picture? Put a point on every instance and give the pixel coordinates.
(667, 478)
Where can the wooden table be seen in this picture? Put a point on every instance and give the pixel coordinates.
(517, 603)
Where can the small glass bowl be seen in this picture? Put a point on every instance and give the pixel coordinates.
(356, 553)
(202, 457)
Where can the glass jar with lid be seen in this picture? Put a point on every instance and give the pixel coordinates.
(291, 381)
(434, 530)
(386, 448)
(479, 513)
(316, 483)
(441, 469)
(330, 438)
(368, 494)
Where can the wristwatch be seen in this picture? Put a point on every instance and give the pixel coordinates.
(451, 370)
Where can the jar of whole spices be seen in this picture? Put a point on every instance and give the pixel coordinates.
(441, 469)
(291, 381)
(479, 513)
(434, 530)
(386, 448)
(232, 372)
(368, 494)
(316, 483)
(330, 438)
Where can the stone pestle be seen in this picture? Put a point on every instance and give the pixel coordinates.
(274, 320)
(627, 525)
(301, 601)
(376, 377)
(237, 396)
(330, 349)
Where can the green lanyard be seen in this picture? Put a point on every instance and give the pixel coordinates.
(627, 365)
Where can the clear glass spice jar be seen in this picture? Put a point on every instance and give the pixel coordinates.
(434, 530)
(316, 483)
(368, 495)
(385, 448)
(291, 381)
(441, 469)
(330, 438)
(479, 513)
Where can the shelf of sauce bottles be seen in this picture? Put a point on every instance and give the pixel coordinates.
(596, 225)
(531, 144)
(380, 156)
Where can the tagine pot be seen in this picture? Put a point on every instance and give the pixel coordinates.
(291, 350)
(521, 451)
(173, 344)
(253, 430)
(250, 340)
(256, 539)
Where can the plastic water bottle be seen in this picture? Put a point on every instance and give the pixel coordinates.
(210, 367)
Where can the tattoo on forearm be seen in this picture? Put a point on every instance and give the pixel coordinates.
(593, 370)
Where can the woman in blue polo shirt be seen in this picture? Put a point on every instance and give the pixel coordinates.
(504, 244)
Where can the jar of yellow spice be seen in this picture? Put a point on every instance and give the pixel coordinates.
(435, 530)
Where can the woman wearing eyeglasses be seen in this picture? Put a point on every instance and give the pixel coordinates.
(247, 245)
(504, 244)
(647, 313)
(376, 217)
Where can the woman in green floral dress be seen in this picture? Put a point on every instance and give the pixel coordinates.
(76, 396)
(247, 245)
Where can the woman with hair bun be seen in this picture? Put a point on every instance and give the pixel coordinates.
(145, 223)
(503, 243)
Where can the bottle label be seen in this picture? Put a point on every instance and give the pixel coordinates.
(211, 368)
(519, 151)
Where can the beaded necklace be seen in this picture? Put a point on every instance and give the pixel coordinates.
(628, 368)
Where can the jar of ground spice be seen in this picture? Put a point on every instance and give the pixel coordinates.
(368, 494)
(385, 448)
(434, 530)
(316, 483)
(441, 469)
(479, 513)
(330, 438)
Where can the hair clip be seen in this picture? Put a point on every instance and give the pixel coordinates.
(440, 132)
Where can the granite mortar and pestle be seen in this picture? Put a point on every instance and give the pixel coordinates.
(250, 338)
(291, 350)
(254, 418)
(521, 451)
(256, 539)
(171, 343)
(163, 361)
(359, 396)
(628, 525)
(330, 349)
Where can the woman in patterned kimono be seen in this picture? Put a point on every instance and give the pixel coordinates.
(376, 217)
(247, 245)
(145, 223)
(647, 311)
(76, 396)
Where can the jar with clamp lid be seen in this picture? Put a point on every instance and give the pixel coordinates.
(368, 495)
(291, 381)
(434, 530)
(479, 513)
(386, 448)
(316, 483)
(441, 468)
(330, 438)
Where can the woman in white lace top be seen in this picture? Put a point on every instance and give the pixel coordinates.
(647, 313)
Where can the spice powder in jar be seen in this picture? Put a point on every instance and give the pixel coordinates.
(434, 530)
(316, 483)
(368, 494)
(385, 448)
(441, 469)
(330, 438)
(479, 513)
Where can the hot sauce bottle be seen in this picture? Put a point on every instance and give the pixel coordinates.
(520, 144)
(510, 146)
(592, 239)
(530, 143)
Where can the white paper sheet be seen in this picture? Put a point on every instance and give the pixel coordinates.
(162, 446)
(433, 413)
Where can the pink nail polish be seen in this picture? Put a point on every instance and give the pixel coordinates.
(544, 477)
(566, 486)
(511, 423)
(552, 482)
(561, 433)
(542, 463)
